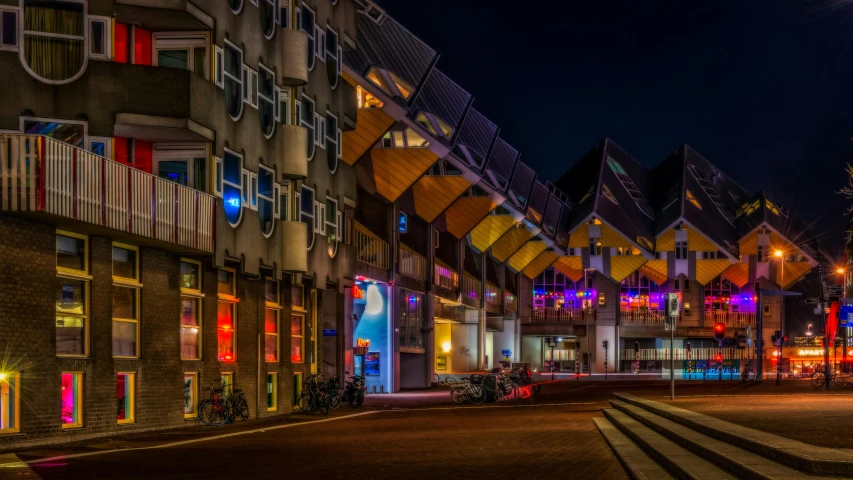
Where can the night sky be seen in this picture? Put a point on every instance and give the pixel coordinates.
(762, 89)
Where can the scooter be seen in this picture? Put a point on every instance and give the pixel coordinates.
(354, 391)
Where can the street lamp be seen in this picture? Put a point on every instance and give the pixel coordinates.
(781, 256)
(552, 342)
(809, 331)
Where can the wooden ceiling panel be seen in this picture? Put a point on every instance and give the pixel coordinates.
(623, 265)
(537, 266)
(707, 270)
(466, 213)
(526, 254)
(434, 194)
(492, 228)
(510, 243)
(369, 128)
(571, 267)
(397, 169)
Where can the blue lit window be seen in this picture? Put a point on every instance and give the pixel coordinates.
(403, 222)
(232, 187)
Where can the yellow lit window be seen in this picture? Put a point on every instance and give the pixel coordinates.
(404, 88)
(770, 206)
(72, 294)
(226, 317)
(272, 392)
(190, 395)
(72, 400)
(366, 99)
(126, 288)
(297, 339)
(191, 308)
(692, 199)
(10, 402)
(125, 397)
(226, 382)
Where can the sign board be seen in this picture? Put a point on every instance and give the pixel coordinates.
(835, 289)
(818, 311)
(371, 363)
(845, 315)
(329, 333)
(813, 301)
(441, 362)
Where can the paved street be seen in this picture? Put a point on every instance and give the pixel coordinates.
(421, 435)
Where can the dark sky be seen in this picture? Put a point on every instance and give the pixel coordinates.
(763, 89)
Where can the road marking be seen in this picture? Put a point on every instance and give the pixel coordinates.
(197, 440)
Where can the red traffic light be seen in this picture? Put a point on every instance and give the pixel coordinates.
(718, 358)
(719, 328)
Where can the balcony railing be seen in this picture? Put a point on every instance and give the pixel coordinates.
(510, 301)
(412, 264)
(641, 316)
(730, 318)
(445, 276)
(369, 247)
(681, 354)
(40, 174)
(470, 290)
(561, 316)
(493, 298)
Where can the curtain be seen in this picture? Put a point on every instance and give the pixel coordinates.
(50, 57)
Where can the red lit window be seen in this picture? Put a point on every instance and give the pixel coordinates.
(225, 326)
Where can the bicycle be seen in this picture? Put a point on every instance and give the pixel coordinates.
(313, 396)
(213, 412)
(841, 379)
(444, 382)
(748, 375)
(236, 405)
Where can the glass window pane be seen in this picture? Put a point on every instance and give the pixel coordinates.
(296, 325)
(271, 321)
(296, 295)
(190, 335)
(173, 58)
(200, 61)
(70, 296)
(124, 397)
(124, 339)
(124, 263)
(271, 291)
(190, 400)
(70, 253)
(98, 38)
(9, 404)
(225, 333)
(174, 171)
(225, 285)
(124, 302)
(9, 28)
(296, 349)
(71, 388)
(190, 276)
(70, 335)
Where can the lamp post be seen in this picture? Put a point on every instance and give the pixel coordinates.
(552, 342)
(841, 271)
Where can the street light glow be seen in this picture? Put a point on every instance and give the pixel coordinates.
(2, 376)
(778, 253)
(839, 270)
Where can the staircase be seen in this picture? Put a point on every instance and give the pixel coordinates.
(655, 440)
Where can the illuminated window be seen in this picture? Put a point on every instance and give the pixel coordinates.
(232, 187)
(226, 322)
(602, 299)
(594, 246)
(72, 294)
(190, 395)
(390, 82)
(190, 283)
(333, 226)
(692, 199)
(587, 194)
(411, 324)
(54, 39)
(126, 288)
(272, 392)
(434, 125)
(272, 325)
(771, 206)
(366, 99)
(72, 400)
(686, 307)
(226, 383)
(605, 191)
(125, 397)
(297, 339)
(10, 402)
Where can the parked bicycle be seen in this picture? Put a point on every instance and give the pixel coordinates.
(313, 396)
(446, 381)
(236, 405)
(494, 386)
(333, 392)
(214, 411)
(841, 379)
(748, 375)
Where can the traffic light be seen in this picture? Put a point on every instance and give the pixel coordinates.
(636, 347)
(604, 344)
(719, 332)
(718, 358)
(784, 340)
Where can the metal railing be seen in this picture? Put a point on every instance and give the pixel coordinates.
(510, 301)
(369, 247)
(445, 276)
(641, 315)
(695, 354)
(38, 173)
(561, 316)
(470, 287)
(412, 264)
(731, 318)
(493, 294)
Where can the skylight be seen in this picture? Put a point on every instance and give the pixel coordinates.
(631, 187)
(692, 199)
(706, 185)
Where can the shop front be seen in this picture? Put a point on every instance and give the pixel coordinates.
(801, 362)
(373, 344)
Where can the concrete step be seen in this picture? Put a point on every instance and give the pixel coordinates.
(638, 465)
(792, 453)
(682, 463)
(740, 462)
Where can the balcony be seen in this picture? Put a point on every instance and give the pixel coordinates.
(493, 299)
(681, 354)
(446, 281)
(470, 290)
(561, 316)
(369, 248)
(412, 264)
(42, 175)
(510, 302)
(730, 318)
(641, 316)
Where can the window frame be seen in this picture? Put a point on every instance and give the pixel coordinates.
(239, 78)
(136, 286)
(312, 214)
(78, 400)
(301, 314)
(195, 394)
(12, 381)
(189, 41)
(312, 126)
(108, 145)
(277, 308)
(260, 97)
(232, 300)
(239, 187)
(197, 295)
(130, 411)
(260, 197)
(191, 152)
(84, 39)
(336, 226)
(275, 14)
(218, 66)
(253, 190)
(79, 275)
(17, 12)
(312, 35)
(274, 392)
(218, 174)
(333, 140)
(108, 37)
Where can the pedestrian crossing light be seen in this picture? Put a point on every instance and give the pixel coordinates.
(719, 332)
(718, 358)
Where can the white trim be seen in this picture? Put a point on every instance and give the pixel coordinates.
(84, 38)
(273, 199)
(237, 12)
(85, 124)
(188, 41)
(253, 191)
(313, 125)
(244, 193)
(310, 214)
(337, 225)
(108, 37)
(218, 66)
(107, 141)
(191, 152)
(275, 14)
(311, 34)
(272, 100)
(253, 88)
(226, 75)
(276, 192)
(218, 175)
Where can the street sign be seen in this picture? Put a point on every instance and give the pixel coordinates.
(835, 290)
(818, 311)
(813, 301)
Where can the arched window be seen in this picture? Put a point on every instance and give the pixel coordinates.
(266, 205)
(54, 48)
(308, 213)
(236, 5)
(268, 9)
(307, 119)
(333, 57)
(266, 100)
(332, 148)
(233, 74)
(232, 187)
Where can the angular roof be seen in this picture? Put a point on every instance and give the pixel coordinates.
(760, 209)
(442, 97)
(477, 134)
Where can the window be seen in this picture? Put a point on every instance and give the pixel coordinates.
(366, 99)
(675, 285)
(190, 283)
(605, 191)
(125, 397)
(630, 186)
(692, 199)
(100, 146)
(100, 37)
(72, 400)
(226, 383)
(268, 9)
(602, 299)
(236, 5)
(185, 51)
(686, 285)
(333, 57)
(233, 77)
(763, 253)
(434, 125)
(272, 301)
(307, 120)
(266, 199)
(283, 111)
(307, 215)
(226, 323)
(706, 185)
(218, 66)
(686, 306)
(126, 288)
(333, 225)
(331, 142)
(54, 40)
(232, 187)
(184, 164)
(266, 99)
(8, 28)
(10, 402)
(72, 294)
(272, 391)
(253, 190)
(190, 395)
(594, 246)
(411, 320)
(297, 339)
(307, 24)
(681, 250)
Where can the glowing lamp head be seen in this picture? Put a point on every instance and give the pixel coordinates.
(839, 270)
(445, 347)
(719, 328)
(3, 376)
(777, 254)
(719, 357)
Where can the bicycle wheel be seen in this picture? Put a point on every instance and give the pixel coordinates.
(478, 394)
(212, 413)
(818, 380)
(334, 399)
(843, 380)
(436, 379)
(511, 389)
(305, 403)
(241, 408)
(750, 375)
(457, 395)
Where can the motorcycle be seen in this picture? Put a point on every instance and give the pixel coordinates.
(354, 391)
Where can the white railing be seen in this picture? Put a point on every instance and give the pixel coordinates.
(42, 174)
(470, 288)
(561, 316)
(640, 315)
(731, 318)
(682, 354)
(369, 247)
(445, 276)
(412, 264)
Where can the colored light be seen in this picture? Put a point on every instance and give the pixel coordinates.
(778, 253)
(234, 202)
(2, 376)
(445, 347)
